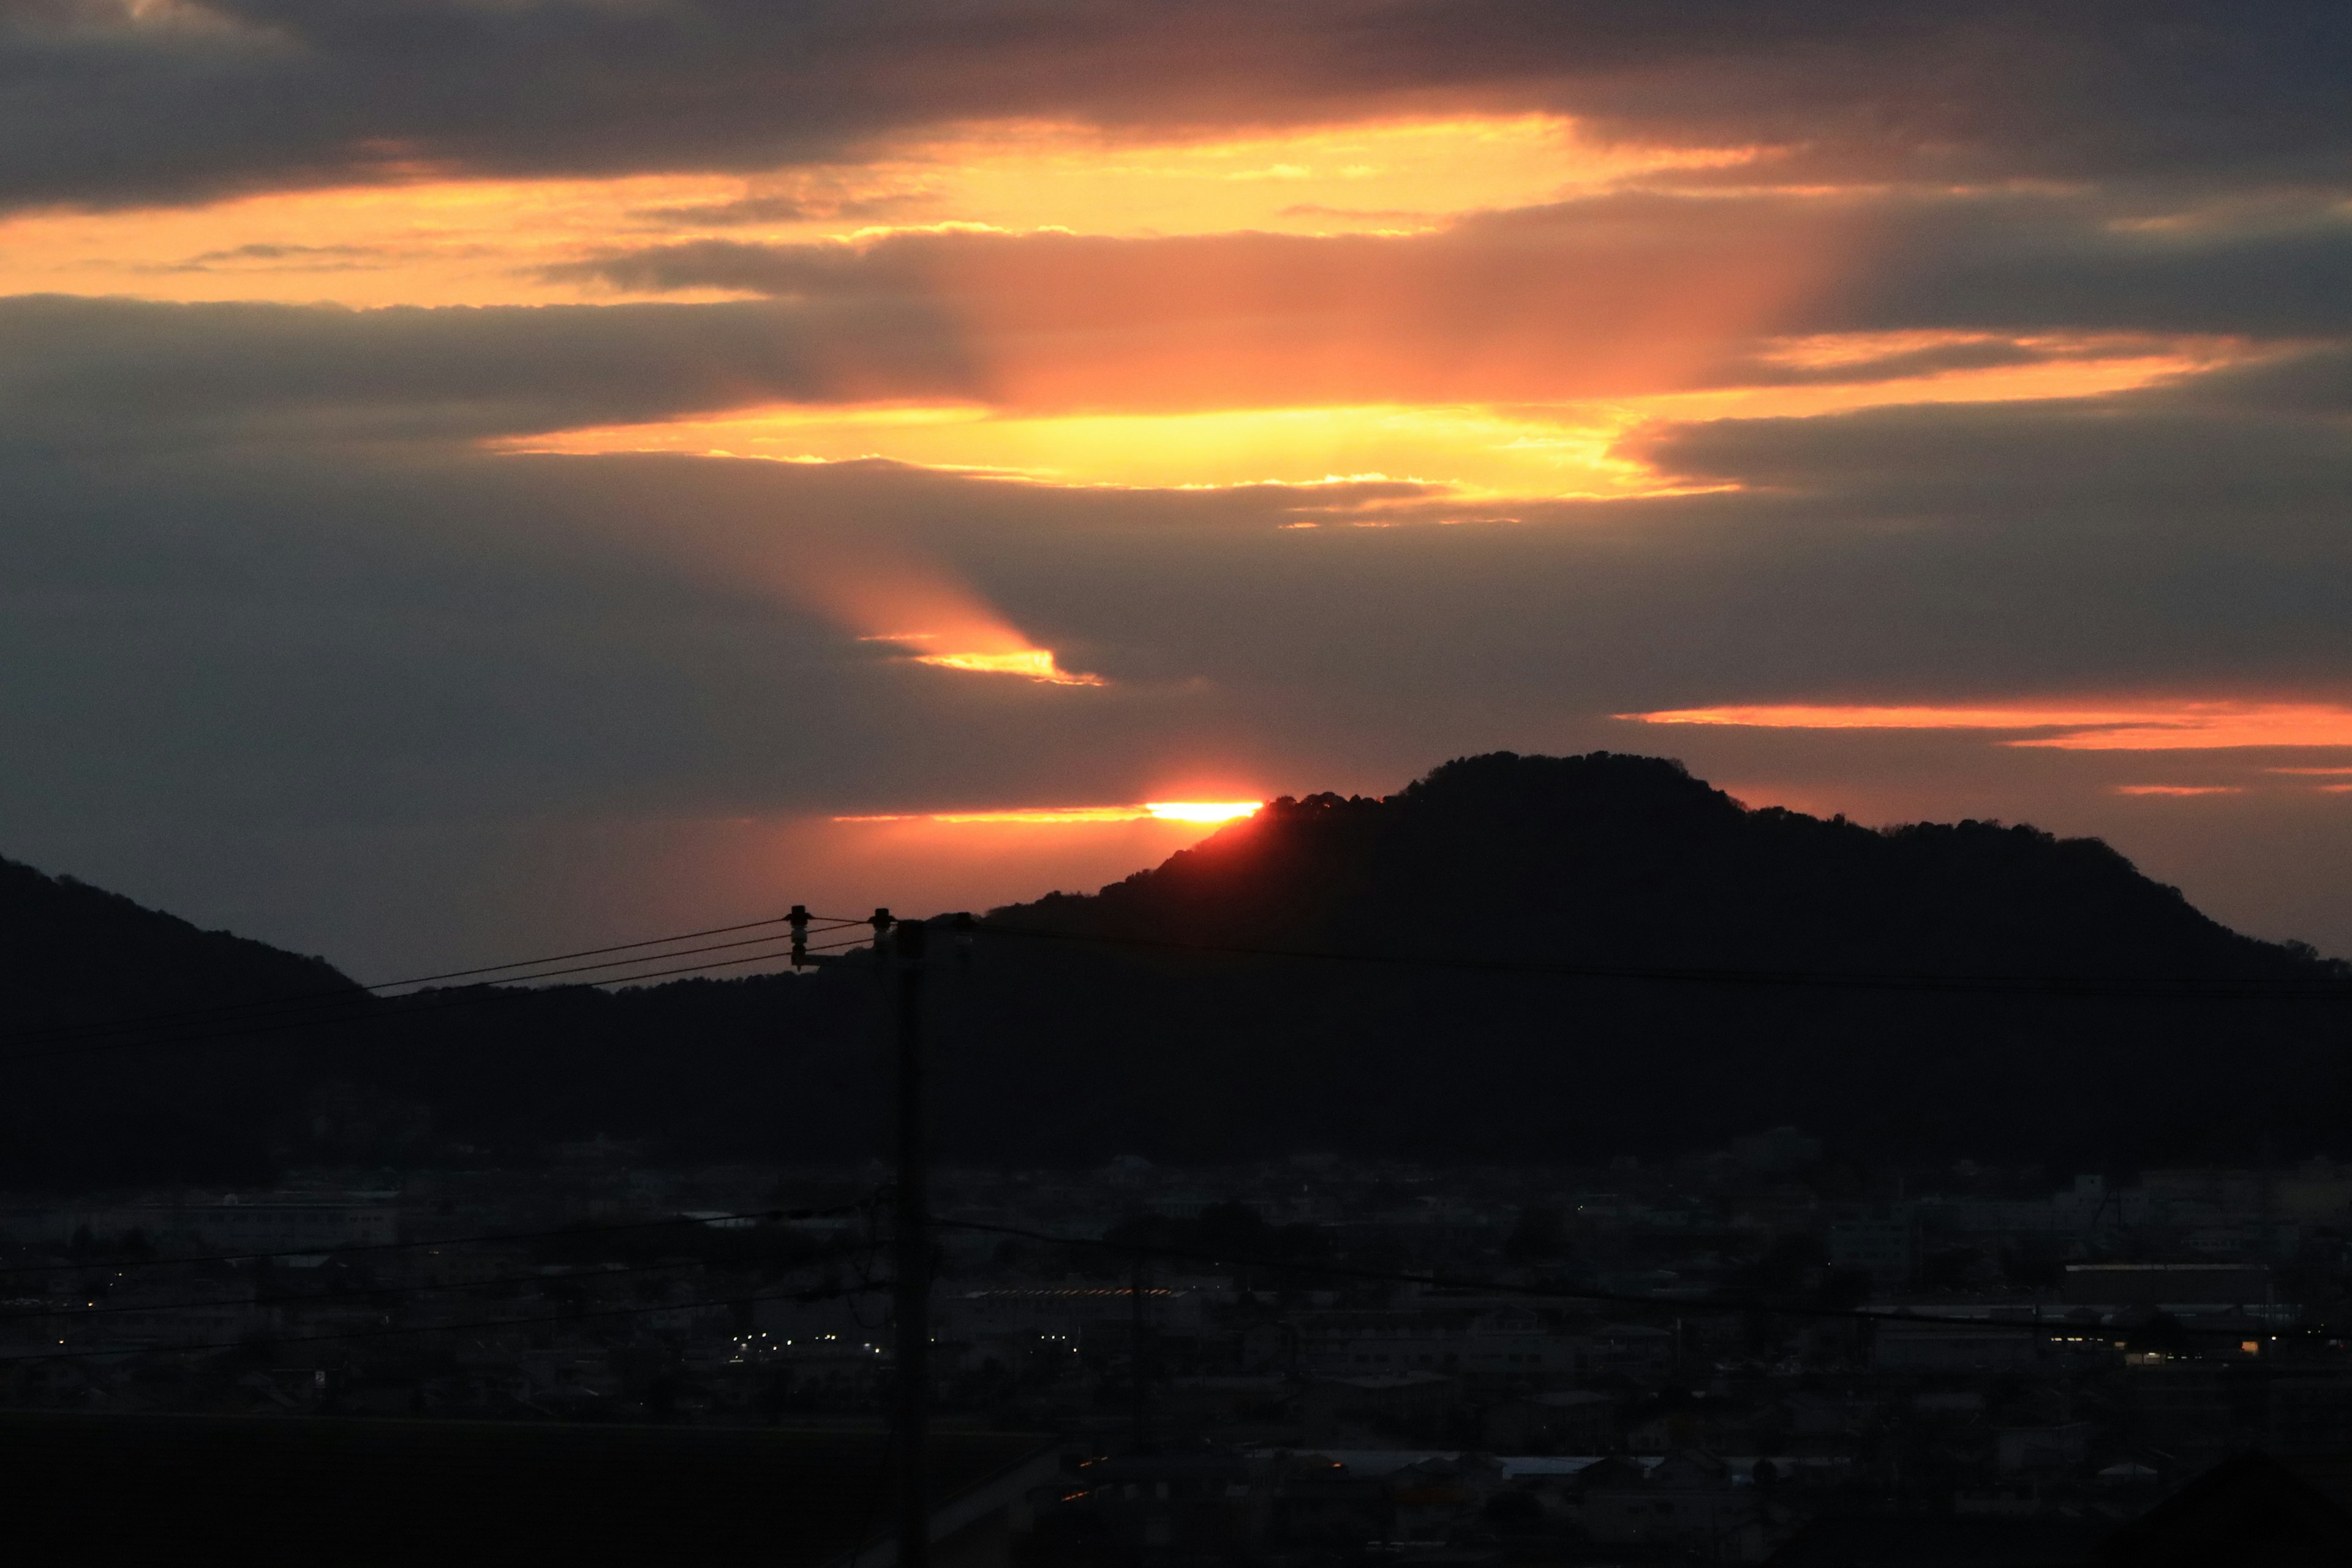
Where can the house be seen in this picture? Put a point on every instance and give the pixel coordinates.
(2029, 1449)
(1434, 1494)
(1189, 1507)
(1569, 1421)
(1689, 1502)
(2172, 1285)
(1898, 1346)
(1637, 1351)
(1417, 1406)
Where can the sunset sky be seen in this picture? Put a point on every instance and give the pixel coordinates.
(478, 476)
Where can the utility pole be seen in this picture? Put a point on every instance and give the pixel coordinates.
(1141, 1330)
(911, 1249)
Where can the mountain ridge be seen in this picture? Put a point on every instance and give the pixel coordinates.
(1467, 844)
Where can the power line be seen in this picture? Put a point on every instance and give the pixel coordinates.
(770, 1215)
(827, 1293)
(593, 952)
(191, 1304)
(1708, 1304)
(2059, 985)
(470, 997)
(356, 991)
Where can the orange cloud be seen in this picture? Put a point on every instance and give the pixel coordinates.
(2179, 789)
(1576, 449)
(982, 649)
(436, 240)
(1613, 296)
(863, 574)
(2140, 727)
(888, 592)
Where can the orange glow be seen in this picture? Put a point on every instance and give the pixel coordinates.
(1375, 176)
(1568, 302)
(1576, 449)
(876, 583)
(435, 242)
(2149, 727)
(1029, 663)
(1203, 812)
(1474, 450)
(879, 588)
(2179, 789)
(431, 239)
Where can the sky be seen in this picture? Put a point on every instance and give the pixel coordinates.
(483, 477)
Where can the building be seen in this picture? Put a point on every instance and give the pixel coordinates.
(278, 1224)
(1417, 1406)
(1569, 1421)
(2166, 1285)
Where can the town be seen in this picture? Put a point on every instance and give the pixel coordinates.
(1308, 1360)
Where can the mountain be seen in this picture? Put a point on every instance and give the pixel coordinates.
(1590, 887)
(1623, 863)
(1629, 861)
(80, 968)
(80, 955)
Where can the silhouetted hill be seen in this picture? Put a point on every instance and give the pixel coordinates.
(1625, 860)
(1628, 863)
(79, 968)
(1069, 1050)
(80, 955)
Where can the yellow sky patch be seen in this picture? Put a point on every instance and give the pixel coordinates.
(444, 242)
(1557, 450)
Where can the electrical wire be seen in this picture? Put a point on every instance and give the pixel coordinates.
(122, 1352)
(770, 1215)
(1705, 1304)
(468, 996)
(357, 992)
(2059, 985)
(18, 1314)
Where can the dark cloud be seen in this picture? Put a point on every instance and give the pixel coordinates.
(247, 259)
(98, 372)
(2081, 261)
(783, 209)
(2102, 261)
(198, 98)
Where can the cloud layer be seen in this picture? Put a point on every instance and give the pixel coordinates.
(102, 101)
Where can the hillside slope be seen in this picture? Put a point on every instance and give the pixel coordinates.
(1614, 859)
(82, 973)
(1621, 862)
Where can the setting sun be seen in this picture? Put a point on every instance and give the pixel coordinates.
(1201, 810)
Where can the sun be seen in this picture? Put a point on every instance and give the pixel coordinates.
(1201, 810)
